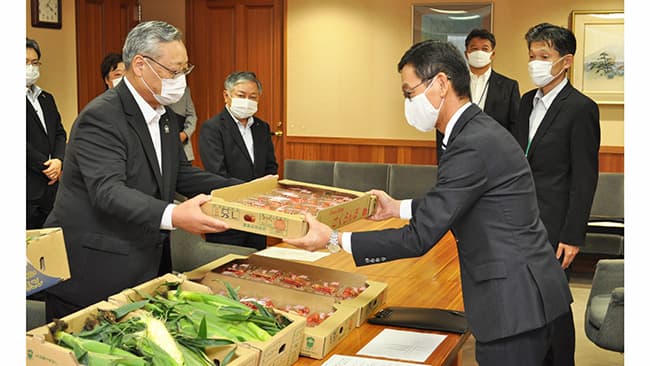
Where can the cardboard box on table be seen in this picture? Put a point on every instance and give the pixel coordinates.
(364, 304)
(319, 339)
(47, 260)
(283, 349)
(278, 224)
(42, 349)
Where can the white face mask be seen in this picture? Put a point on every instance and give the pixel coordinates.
(172, 90)
(116, 80)
(420, 113)
(32, 74)
(540, 72)
(479, 58)
(243, 108)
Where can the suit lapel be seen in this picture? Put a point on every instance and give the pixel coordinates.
(136, 120)
(549, 118)
(469, 113)
(33, 116)
(494, 85)
(258, 138)
(233, 129)
(167, 132)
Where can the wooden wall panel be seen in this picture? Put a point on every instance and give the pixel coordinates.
(102, 26)
(612, 159)
(398, 151)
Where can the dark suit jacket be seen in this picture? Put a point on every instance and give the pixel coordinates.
(511, 281)
(223, 150)
(501, 103)
(112, 196)
(41, 146)
(564, 159)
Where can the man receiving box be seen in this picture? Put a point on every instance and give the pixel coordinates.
(514, 290)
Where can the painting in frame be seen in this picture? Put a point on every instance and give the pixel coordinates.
(450, 22)
(598, 67)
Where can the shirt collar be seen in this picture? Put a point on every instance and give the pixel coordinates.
(150, 115)
(34, 91)
(550, 96)
(485, 76)
(452, 122)
(249, 123)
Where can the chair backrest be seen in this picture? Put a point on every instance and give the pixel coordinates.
(609, 197)
(189, 251)
(411, 180)
(310, 171)
(361, 176)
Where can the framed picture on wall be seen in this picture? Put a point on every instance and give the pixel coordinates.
(598, 66)
(450, 22)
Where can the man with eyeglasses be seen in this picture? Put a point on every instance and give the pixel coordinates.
(515, 294)
(235, 143)
(45, 142)
(124, 164)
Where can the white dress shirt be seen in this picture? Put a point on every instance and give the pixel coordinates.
(33, 93)
(246, 133)
(479, 87)
(541, 104)
(152, 118)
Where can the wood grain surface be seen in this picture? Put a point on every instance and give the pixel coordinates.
(432, 280)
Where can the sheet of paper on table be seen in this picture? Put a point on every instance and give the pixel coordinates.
(402, 345)
(340, 360)
(292, 254)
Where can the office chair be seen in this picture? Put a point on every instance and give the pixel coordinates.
(604, 314)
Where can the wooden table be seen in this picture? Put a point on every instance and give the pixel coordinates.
(432, 280)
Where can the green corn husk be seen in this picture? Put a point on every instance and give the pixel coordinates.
(88, 348)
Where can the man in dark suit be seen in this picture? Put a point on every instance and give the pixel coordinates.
(514, 290)
(496, 94)
(235, 143)
(45, 142)
(123, 165)
(559, 130)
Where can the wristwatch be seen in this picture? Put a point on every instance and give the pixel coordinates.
(333, 244)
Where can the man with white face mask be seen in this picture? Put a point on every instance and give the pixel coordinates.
(514, 291)
(496, 94)
(235, 143)
(124, 164)
(46, 140)
(559, 131)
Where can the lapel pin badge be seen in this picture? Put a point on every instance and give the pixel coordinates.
(166, 127)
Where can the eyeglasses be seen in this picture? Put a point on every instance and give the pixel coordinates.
(409, 92)
(34, 63)
(184, 71)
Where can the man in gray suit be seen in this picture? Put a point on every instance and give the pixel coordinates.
(515, 293)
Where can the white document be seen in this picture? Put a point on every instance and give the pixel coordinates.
(606, 223)
(292, 254)
(339, 360)
(402, 345)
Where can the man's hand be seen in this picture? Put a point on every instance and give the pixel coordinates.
(569, 251)
(53, 170)
(189, 217)
(316, 238)
(183, 136)
(386, 208)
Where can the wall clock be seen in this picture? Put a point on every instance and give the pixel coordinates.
(46, 13)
